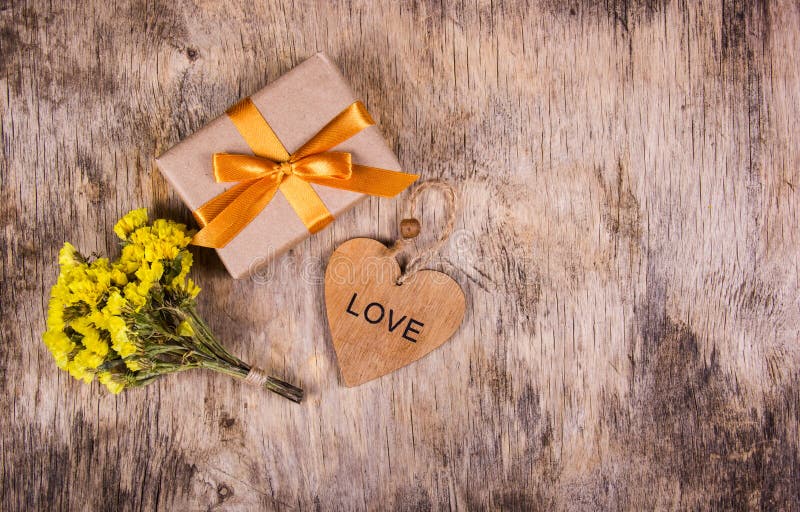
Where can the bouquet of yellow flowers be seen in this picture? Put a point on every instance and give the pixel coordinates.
(132, 320)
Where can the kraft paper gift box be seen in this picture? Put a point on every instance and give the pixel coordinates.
(296, 106)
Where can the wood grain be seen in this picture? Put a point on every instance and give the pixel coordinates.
(378, 326)
(628, 247)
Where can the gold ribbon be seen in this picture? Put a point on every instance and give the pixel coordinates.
(272, 168)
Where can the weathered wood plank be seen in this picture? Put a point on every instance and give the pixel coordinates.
(628, 246)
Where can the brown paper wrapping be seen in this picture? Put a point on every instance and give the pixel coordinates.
(297, 106)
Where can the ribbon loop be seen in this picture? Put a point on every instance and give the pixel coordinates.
(230, 167)
(272, 168)
(326, 165)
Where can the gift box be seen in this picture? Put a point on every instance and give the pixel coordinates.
(281, 165)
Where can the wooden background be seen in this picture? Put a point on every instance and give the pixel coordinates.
(628, 245)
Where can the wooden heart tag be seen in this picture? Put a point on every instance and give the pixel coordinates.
(377, 325)
(380, 318)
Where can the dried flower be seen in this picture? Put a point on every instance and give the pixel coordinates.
(132, 320)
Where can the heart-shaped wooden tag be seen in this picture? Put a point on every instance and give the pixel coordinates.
(377, 325)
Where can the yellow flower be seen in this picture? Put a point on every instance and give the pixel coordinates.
(160, 250)
(79, 371)
(134, 296)
(114, 304)
(60, 346)
(163, 240)
(142, 236)
(98, 318)
(67, 282)
(115, 387)
(130, 222)
(55, 315)
(186, 265)
(172, 232)
(191, 289)
(94, 343)
(91, 337)
(60, 292)
(126, 349)
(184, 329)
(108, 380)
(118, 276)
(150, 273)
(81, 325)
(118, 331)
(68, 256)
(99, 273)
(88, 359)
(133, 365)
(131, 258)
(120, 341)
(86, 284)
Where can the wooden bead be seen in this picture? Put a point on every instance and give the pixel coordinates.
(409, 228)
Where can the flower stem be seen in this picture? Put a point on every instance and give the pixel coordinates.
(216, 357)
(284, 389)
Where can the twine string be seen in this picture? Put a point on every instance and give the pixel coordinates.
(256, 377)
(422, 256)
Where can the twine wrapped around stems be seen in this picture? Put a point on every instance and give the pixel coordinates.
(257, 377)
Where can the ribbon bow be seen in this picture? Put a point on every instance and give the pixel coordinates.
(272, 168)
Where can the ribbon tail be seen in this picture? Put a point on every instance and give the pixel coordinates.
(241, 208)
(215, 205)
(370, 180)
(306, 203)
(347, 123)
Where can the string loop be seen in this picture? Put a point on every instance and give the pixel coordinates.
(423, 255)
